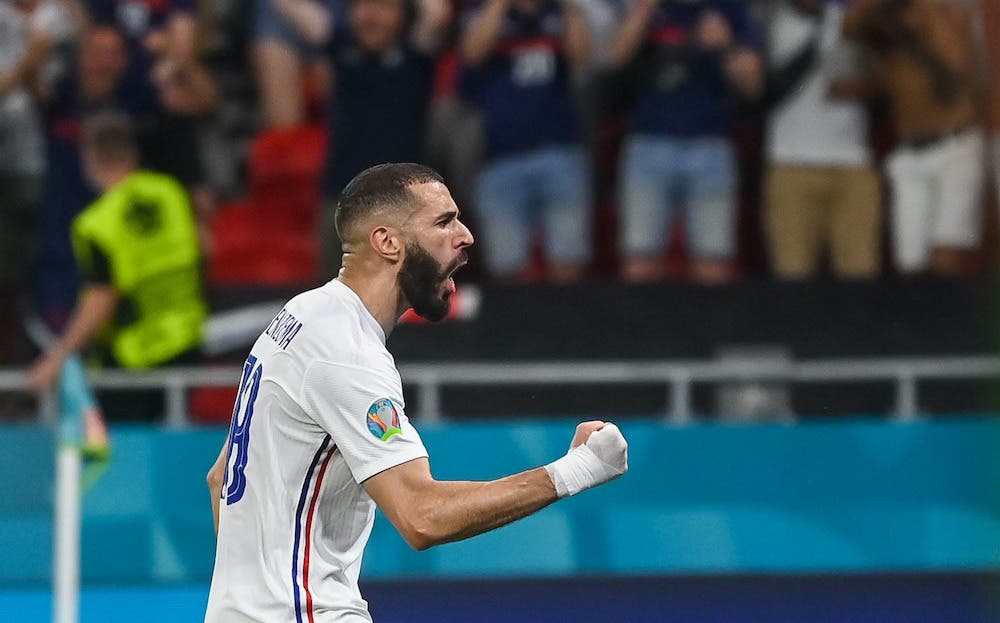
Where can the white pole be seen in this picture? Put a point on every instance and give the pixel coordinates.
(66, 547)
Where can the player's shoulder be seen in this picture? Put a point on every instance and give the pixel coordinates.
(336, 327)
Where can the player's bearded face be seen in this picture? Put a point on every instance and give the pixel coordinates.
(422, 280)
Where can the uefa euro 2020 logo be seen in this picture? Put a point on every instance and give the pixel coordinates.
(383, 419)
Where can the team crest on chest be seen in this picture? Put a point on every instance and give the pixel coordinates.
(383, 419)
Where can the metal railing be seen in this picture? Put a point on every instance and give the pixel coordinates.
(677, 377)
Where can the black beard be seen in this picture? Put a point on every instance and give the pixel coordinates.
(420, 279)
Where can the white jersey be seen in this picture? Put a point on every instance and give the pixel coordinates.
(319, 410)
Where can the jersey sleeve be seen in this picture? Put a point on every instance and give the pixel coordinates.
(362, 410)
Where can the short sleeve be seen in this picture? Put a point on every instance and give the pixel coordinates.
(362, 410)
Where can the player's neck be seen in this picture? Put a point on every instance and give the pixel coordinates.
(379, 293)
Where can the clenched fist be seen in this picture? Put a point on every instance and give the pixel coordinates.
(598, 453)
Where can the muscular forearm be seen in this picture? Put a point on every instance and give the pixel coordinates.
(631, 33)
(428, 512)
(454, 510)
(484, 32)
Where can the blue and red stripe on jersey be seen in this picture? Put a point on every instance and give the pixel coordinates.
(303, 529)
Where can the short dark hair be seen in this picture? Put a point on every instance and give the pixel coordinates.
(378, 187)
(110, 136)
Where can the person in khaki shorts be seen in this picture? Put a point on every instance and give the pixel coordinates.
(822, 196)
(931, 71)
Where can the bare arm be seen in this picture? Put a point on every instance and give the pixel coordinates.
(38, 46)
(481, 37)
(96, 306)
(187, 88)
(577, 46)
(214, 479)
(310, 18)
(428, 512)
(183, 83)
(745, 71)
(433, 18)
(181, 33)
(631, 33)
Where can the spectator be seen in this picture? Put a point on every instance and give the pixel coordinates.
(385, 72)
(519, 56)
(822, 192)
(29, 30)
(162, 39)
(95, 85)
(137, 248)
(289, 35)
(926, 54)
(167, 89)
(690, 59)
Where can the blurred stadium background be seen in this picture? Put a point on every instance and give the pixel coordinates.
(810, 441)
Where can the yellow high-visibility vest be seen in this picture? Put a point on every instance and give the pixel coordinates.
(146, 227)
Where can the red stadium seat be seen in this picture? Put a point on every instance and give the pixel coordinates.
(211, 405)
(254, 244)
(286, 165)
(270, 238)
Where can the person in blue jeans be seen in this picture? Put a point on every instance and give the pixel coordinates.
(692, 61)
(518, 57)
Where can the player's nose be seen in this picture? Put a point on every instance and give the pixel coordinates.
(465, 238)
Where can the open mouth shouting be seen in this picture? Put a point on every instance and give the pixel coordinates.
(449, 274)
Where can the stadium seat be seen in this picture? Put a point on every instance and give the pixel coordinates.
(212, 405)
(262, 245)
(279, 155)
(270, 237)
(286, 166)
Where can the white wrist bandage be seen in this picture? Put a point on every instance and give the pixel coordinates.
(602, 458)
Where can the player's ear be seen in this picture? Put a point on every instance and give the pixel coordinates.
(387, 242)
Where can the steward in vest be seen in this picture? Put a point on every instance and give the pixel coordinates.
(142, 302)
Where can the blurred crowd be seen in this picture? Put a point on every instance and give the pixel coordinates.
(641, 139)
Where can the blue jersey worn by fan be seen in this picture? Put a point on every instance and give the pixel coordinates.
(681, 88)
(536, 174)
(523, 88)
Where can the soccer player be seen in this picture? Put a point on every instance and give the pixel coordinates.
(319, 435)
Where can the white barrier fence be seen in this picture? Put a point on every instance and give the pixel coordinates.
(677, 377)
